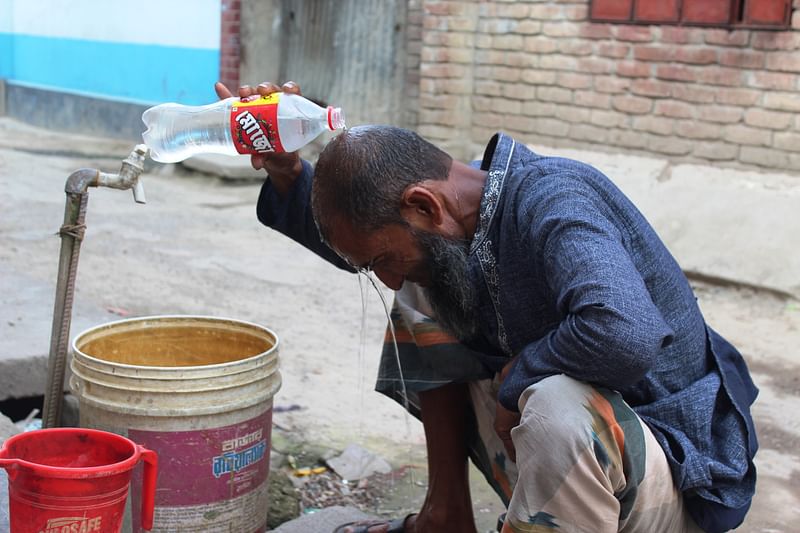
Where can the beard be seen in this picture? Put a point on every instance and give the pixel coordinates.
(450, 292)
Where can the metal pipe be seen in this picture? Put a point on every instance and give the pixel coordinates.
(72, 232)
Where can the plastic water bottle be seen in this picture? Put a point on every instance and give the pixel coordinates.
(279, 122)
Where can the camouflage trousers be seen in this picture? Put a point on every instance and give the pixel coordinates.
(585, 462)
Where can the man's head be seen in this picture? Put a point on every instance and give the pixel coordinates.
(380, 200)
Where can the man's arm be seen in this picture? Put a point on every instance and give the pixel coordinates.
(611, 331)
(285, 200)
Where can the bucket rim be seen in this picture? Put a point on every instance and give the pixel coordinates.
(210, 318)
(73, 472)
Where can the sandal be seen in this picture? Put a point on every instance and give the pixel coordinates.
(398, 525)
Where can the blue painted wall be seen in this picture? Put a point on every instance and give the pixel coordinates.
(149, 51)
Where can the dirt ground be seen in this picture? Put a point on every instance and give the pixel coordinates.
(197, 248)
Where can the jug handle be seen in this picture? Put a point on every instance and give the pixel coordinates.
(150, 459)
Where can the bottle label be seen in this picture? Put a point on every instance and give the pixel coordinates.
(254, 125)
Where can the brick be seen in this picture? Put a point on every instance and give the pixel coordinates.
(611, 84)
(714, 75)
(573, 114)
(505, 105)
(489, 120)
(528, 27)
(676, 73)
(796, 20)
(558, 62)
(433, 131)
(639, 34)
(575, 47)
(540, 45)
(439, 101)
(520, 91)
(577, 12)
(539, 77)
(627, 138)
(595, 65)
(633, 69)
(444, 85)
(450, 23)
(787, 141)
(669, 145)
(518, 123)
(740, 134)
(782, 101)
(743, 59)
(609, 119)
(673, 35)
(488, 87)
(783, 61)
(551, 127)
(654, 53)
(671, 108)
(545, 12)
(444, 118)
(516, 10)
(502, 26)
(743, 97)
(592, 99)
(561, 29)
(774, 81)
(715, 151)
(720, 114)
(554, 94)
(452, 39)
(651, 88)
(505, 74)
(693, 129)
(481, 103)
(447, 55)
(727, 38)
(585, 132)
(507, 42)
(774, 40)
(438, 70)
(696, 56)
(657, 125)
(572, 80)
(693, 93)
(444, 8)
(534, 108)
(764, 157)
(767, 119)
(615, 50)
(632, 104)
(483, 40)
(596, 31)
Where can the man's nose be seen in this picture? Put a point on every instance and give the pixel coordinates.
(393, 281)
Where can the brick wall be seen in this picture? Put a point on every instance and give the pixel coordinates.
(541, 71)
(413, 46)
(230, 46)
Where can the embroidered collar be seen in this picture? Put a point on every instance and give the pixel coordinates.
(496, 161)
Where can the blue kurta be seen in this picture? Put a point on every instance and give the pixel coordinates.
(572, 279)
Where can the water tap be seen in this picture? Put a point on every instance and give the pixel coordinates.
(128, 176)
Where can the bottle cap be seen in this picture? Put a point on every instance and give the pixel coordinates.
(335, 118)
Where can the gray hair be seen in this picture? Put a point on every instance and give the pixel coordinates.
(361, 175)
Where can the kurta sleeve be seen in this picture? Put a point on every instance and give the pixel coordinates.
(291, 215)
(610, 331)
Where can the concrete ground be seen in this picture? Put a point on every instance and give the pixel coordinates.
(197, 248)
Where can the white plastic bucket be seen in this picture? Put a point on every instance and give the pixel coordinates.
(198, 391)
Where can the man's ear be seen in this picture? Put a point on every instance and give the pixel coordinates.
(421, 208)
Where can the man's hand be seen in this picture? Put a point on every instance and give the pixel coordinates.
(506, 420)
(282, 168)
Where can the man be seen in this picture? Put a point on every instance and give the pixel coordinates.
(617, 408)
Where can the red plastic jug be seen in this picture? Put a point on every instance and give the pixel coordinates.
(74, 480)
